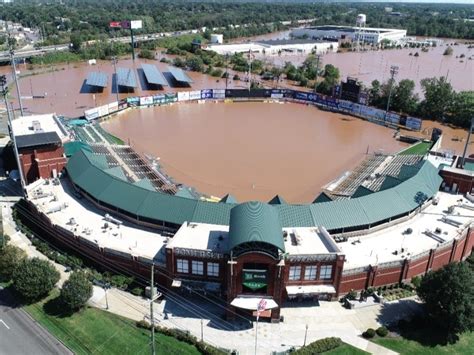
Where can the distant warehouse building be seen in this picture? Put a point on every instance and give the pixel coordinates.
(364, 34)
(273, 47)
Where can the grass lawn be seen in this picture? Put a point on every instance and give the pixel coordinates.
(420, 148)
(99, 332)
(464, 345)
(346, 349)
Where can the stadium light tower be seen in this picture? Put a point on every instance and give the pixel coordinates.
(393, 72)
(12, 60)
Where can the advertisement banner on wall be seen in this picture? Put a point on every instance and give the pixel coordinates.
(122, 105)
(171, 98)
(346, 105)
(183, 96)
(300, 95)
(218, 93)
(393, 118)
(206, 94)
(146, 100)
(195, 95)
(91, 114)
(113, 107)
(103, 110)
(133, 100)
(159, 99)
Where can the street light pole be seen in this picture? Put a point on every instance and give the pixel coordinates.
(393, 72)
(152, 317)
(12, 59)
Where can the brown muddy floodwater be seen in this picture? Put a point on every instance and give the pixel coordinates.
(252, 150)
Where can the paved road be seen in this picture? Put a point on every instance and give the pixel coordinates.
(20, 334)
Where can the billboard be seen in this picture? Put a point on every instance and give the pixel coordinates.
(136, 24)
(115, 24)
(146, 100)
(133, 100)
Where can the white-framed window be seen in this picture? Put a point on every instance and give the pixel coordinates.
(182, 266)
(295, 273)
(197, 267)
(213, 269)
(325, 273)
(310, 272)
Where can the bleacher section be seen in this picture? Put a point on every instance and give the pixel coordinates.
(135, 168)
(376, 173)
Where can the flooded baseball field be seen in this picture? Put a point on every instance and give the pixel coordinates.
(252, 150)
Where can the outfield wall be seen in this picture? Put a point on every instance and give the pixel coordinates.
(368, 113)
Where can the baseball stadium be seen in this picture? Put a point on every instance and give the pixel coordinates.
(387, 218)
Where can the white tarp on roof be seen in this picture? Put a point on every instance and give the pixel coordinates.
(309, 289)
(251, 303)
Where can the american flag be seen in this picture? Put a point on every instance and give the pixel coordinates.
(262, 305)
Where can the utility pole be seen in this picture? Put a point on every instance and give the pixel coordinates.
(305, 334)
(393, 72)
(12, 59)
(114, 62)
(133, 43)
(226, 69)
(202, 332)
(152, 317)
(318, 58)
(4, 92)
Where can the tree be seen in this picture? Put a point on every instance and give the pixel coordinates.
(404, 99)
(448, 294)
(462, 109)
(331, 78)
(374, 93)
(76, 291)
(10, 257)
(146, 54)
(448, 51)
(34, 278)
(439, 95)
(195, 63)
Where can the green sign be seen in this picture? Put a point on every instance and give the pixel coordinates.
(254, 279)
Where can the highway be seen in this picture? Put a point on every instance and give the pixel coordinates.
(20, 334)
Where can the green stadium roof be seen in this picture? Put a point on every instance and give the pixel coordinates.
(228, 199)
(255, 222)
(87, 171)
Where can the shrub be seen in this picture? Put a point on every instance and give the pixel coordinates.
(369, 333)
(147, 54)
(448, 51)
(143, 324)
(137, 291)
(382, 331)
(236, 77)
(351, 295)
(319, 346)
(416, 281)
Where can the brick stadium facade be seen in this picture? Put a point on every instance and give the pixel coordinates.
(42, 162)
(386, 274)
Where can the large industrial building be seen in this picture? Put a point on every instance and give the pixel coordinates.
(274, 47)
(354, 33)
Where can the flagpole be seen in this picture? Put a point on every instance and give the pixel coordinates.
(256, 334)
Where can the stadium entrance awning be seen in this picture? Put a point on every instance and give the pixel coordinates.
(251, 303)
(309, 289)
